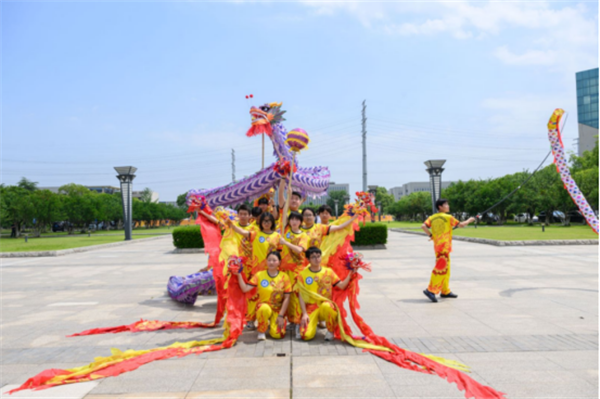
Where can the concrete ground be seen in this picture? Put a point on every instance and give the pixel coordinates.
(526, 322)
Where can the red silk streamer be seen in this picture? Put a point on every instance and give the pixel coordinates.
(236, 310)
(211, 235)
(142, 325)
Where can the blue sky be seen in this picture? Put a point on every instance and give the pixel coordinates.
(161, 86)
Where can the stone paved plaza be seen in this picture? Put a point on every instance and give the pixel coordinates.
(526, 322)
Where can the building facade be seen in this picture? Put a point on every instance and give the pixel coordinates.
(413, 187)
(587, 109)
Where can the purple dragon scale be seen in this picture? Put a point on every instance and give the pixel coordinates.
(310, 181)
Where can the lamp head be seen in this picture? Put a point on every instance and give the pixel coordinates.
(125, 170)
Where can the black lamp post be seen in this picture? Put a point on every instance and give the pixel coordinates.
(434, 168)
(126, 176)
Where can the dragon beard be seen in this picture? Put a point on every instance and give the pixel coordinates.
(259, 129)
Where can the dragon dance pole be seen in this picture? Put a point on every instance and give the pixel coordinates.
(286, 207)
(263, 151)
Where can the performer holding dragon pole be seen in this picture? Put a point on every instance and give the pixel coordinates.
(295, 243)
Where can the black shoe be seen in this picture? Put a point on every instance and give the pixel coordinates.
(430, 295)
(449, 295)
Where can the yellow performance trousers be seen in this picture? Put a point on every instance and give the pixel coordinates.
(326, 312)
(294, 312)
(267, 320)
(440, 276)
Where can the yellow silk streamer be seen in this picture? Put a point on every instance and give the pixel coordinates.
(333, 241)
(359, 343)
(118, 356)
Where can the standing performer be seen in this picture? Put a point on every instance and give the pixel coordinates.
(318, 231)
(441, 225)
(295, 243)
(263, 241)
(318, 280)
(273, 290)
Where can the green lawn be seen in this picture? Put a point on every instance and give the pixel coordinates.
(141, 230)
(53, 244)
(528, 233)
(513, 232)
(402, 225)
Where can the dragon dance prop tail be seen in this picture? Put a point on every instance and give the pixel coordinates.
(121, 362)
(558, 150)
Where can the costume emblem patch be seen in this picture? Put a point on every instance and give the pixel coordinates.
(264, 283)
(309, 280)
(262, 240)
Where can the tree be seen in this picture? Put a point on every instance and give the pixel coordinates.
(46, 208)
(27, 184)
(79, 205)
(109, 208)
(146, 195)
(181, 201)
(16, 206)
(337, 195)
(385, 198)
(419, 203)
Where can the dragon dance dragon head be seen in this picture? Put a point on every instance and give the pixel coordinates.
(263, 117)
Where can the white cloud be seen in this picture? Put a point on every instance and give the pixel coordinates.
(531, 57)
(565, 39)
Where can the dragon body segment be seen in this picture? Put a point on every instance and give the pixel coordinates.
(560, 160)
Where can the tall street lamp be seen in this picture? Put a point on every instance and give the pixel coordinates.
(373, 192)
(336, 206)
(434, 168)
(126, 176)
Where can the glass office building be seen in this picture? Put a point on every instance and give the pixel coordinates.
(587, 108)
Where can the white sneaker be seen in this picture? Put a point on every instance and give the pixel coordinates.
(298, 336)
(329, 336)
(262, 336)
(322, 324)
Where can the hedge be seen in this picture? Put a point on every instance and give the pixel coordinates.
(371, 234)
(187, 237)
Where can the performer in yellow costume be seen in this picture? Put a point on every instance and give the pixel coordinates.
(295, 243)
(441, 225)
(263, 241)
(317, 232)
(320, 280)
(273, 289)
(232, 243)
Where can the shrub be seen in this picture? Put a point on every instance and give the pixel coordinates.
(371, 234)
(187, 237)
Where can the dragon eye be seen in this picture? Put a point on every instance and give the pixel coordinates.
(264, 108)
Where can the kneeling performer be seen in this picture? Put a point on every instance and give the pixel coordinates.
(274, 289)
(319, 280)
